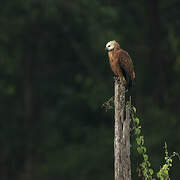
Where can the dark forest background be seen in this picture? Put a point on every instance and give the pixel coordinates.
(55, 75)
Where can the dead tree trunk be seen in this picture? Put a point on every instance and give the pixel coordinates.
(122, 164)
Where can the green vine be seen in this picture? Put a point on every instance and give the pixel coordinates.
(164, 171)
(145, 169)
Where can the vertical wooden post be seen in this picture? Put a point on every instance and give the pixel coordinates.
(122, 164)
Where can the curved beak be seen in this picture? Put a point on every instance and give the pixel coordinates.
(106, 49)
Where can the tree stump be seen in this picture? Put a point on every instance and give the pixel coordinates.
(122, 164)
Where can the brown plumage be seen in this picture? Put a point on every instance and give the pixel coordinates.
(120, 62)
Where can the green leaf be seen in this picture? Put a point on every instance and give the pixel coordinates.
(138, 140)
(137, 131)
(143, 164)
(166, 172)
(144, 149)
(142, 139)
(151, 171)
(169, 160)
(162, 178)
(165, 166)
(139, 150)
(137, 120)
(134, 109)
(145, 157)
(158, 174)
(148, 163)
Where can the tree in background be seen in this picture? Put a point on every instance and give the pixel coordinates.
(55, 77)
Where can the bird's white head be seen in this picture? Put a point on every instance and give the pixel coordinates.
(111, 45)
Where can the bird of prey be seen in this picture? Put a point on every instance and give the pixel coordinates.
(121, 63)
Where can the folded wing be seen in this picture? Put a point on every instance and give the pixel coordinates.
(126, 64)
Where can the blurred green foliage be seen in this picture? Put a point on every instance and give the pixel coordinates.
(55, 76)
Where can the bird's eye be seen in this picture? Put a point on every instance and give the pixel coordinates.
(108, 45)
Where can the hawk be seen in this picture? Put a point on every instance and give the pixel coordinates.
(121, 63)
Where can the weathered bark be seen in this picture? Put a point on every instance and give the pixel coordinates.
(122, 165)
